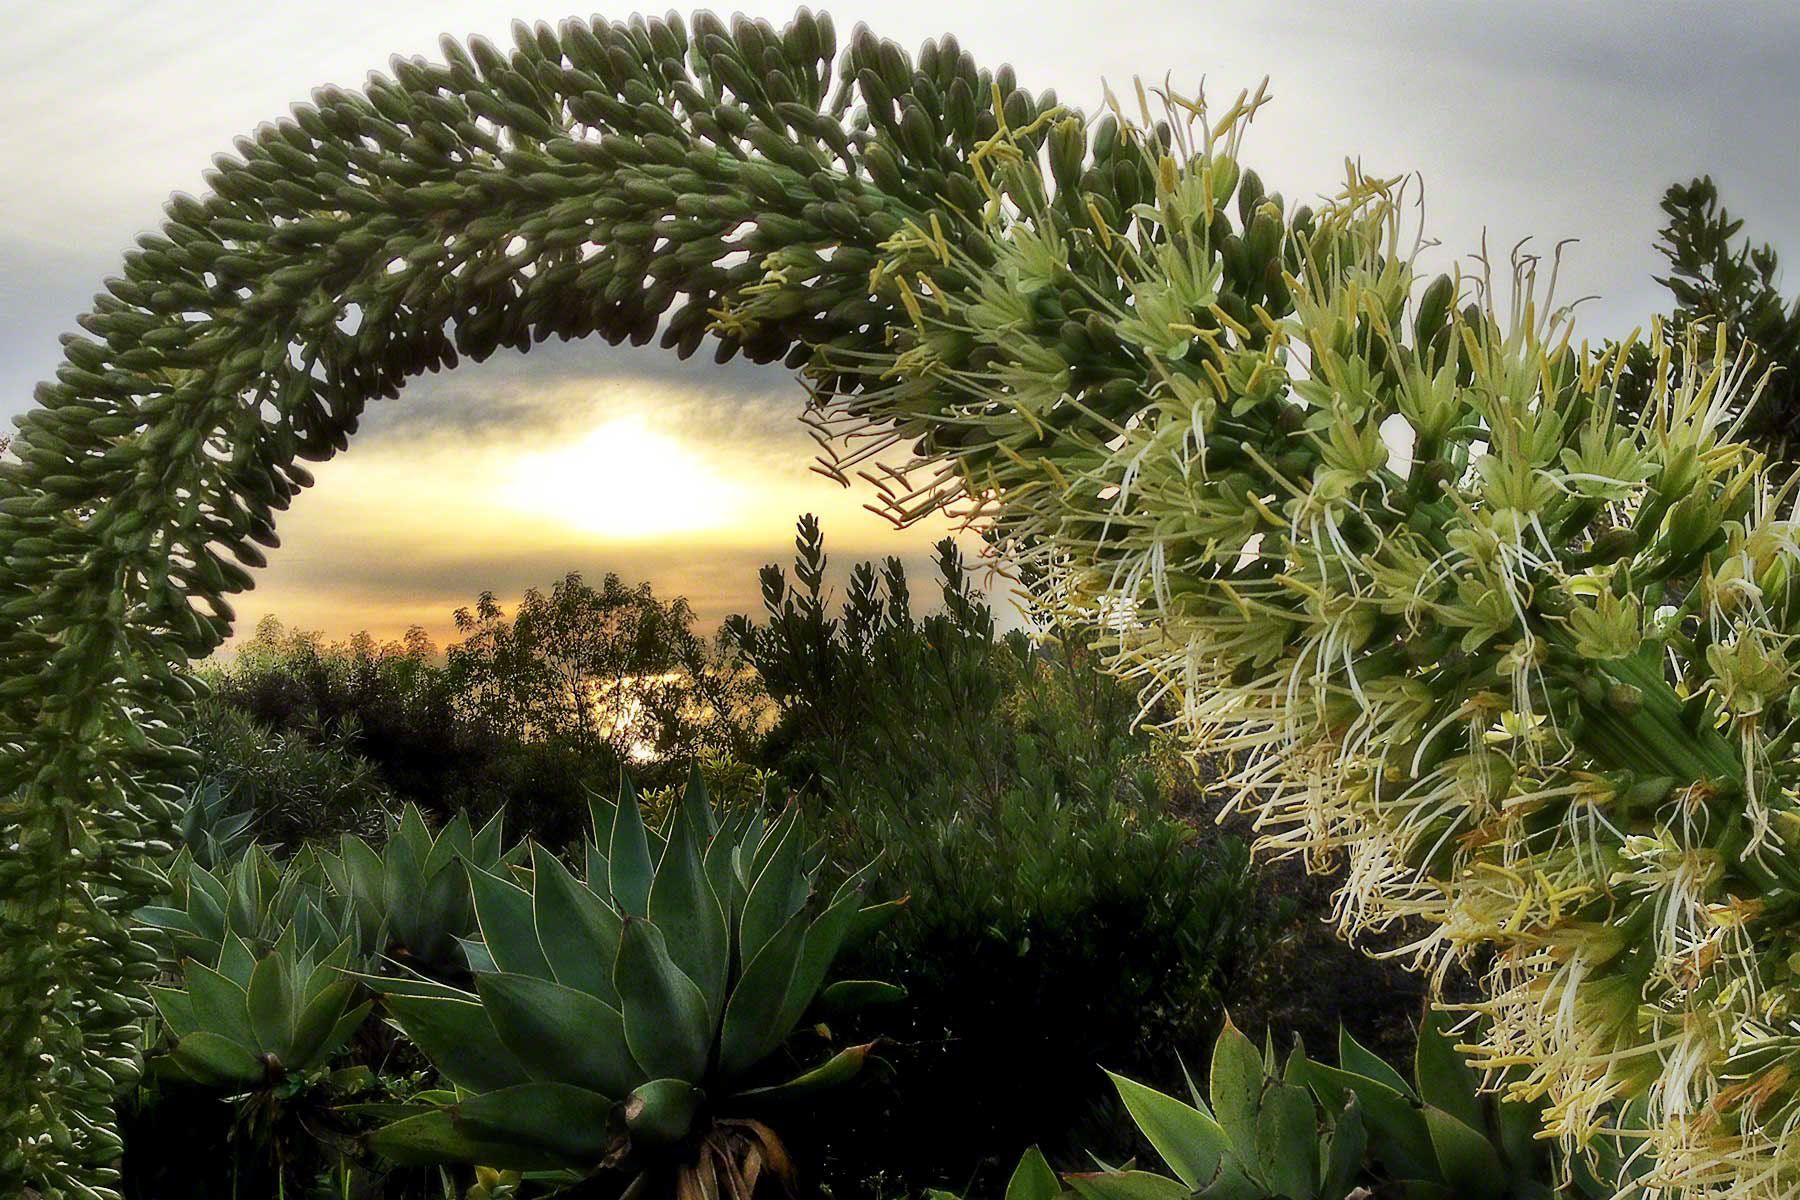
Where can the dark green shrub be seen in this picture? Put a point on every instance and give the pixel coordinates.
(1059, 913)
(296, 784)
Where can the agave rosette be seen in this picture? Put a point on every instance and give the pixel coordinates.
(633, 1019)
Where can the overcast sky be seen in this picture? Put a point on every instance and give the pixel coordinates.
(1552, 120)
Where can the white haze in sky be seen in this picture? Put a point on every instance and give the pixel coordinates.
(1549, 120)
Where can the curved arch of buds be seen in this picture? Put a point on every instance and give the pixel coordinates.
(1530, 674)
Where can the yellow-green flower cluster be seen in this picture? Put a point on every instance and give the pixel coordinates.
(1521, 659)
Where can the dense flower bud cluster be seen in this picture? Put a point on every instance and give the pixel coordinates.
(1521, 661)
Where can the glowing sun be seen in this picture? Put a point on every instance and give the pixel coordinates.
(623, 480)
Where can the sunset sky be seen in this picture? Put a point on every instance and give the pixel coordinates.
(1554, 120)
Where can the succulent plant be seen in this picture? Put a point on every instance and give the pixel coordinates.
(249, 1023)
(410, 900)
(1318, 1132)
(210, 831)
(257, 899)
(631, 1020)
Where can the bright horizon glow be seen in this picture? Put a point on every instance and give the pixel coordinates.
(624, 480)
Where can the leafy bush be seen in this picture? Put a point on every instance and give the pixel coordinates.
(293, 784)
(1058, 911)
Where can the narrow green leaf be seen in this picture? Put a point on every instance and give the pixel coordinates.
(1126, 1185)
(271, 1001)
(1033, 1179)
(1466, 1158)
(220, 1004)
(219, 1061)
(177, 1009)
(752, 1028)
(1287, 1142)
(567, 1122)
(577, 930)
(313, 1028)
(682, 905)
(854, 995)
(1444, 1078)
(437, 1136)
(1344, 1149)
(824, 938)
(777, 891)
(1192, 1144)
(628, 855)
(458, 1039)
(1357, 1059)
(558, 1034)
(836, 1071)
(1236, 1083)
(508, 925)
(667, 1025)
(1395, 1125)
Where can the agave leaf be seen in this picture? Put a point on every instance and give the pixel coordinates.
(484, 847)
(220, 1005)
(778, 890)
(458, 1039)
(628, 855)
(661, 1112)
(271, 1002)
(508, 925)
(236, 960)
(872, 919)
(173, 919)
(177, 1009)
(753, 1025)
(577, 931)
(440, 913)
(1287, 1142)
(414, 834)
(1236, 1083)
(1354, 1057)
(1033, 1179)
(697, 808)
(854, 995)
(219, 1061)
(476, 956)
(566, 1122)
(1344, 1149)
(410, 985)
(438, 1136)
(824, 938)
(835, 1071)
(402, 883)
(558, 1034)
(1125, 1185)
(667, 1025)
(1396, 1127)
(314, 1026)
(1444, 1078)
(1465, 1157)
(1193, 1145)
(327, 971)
(454, 840)
(719, 867)
(682, 905)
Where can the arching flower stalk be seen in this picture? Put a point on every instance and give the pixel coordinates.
(1525, 674)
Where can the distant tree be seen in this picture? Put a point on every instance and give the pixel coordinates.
(1720, 282)
(610, 666)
